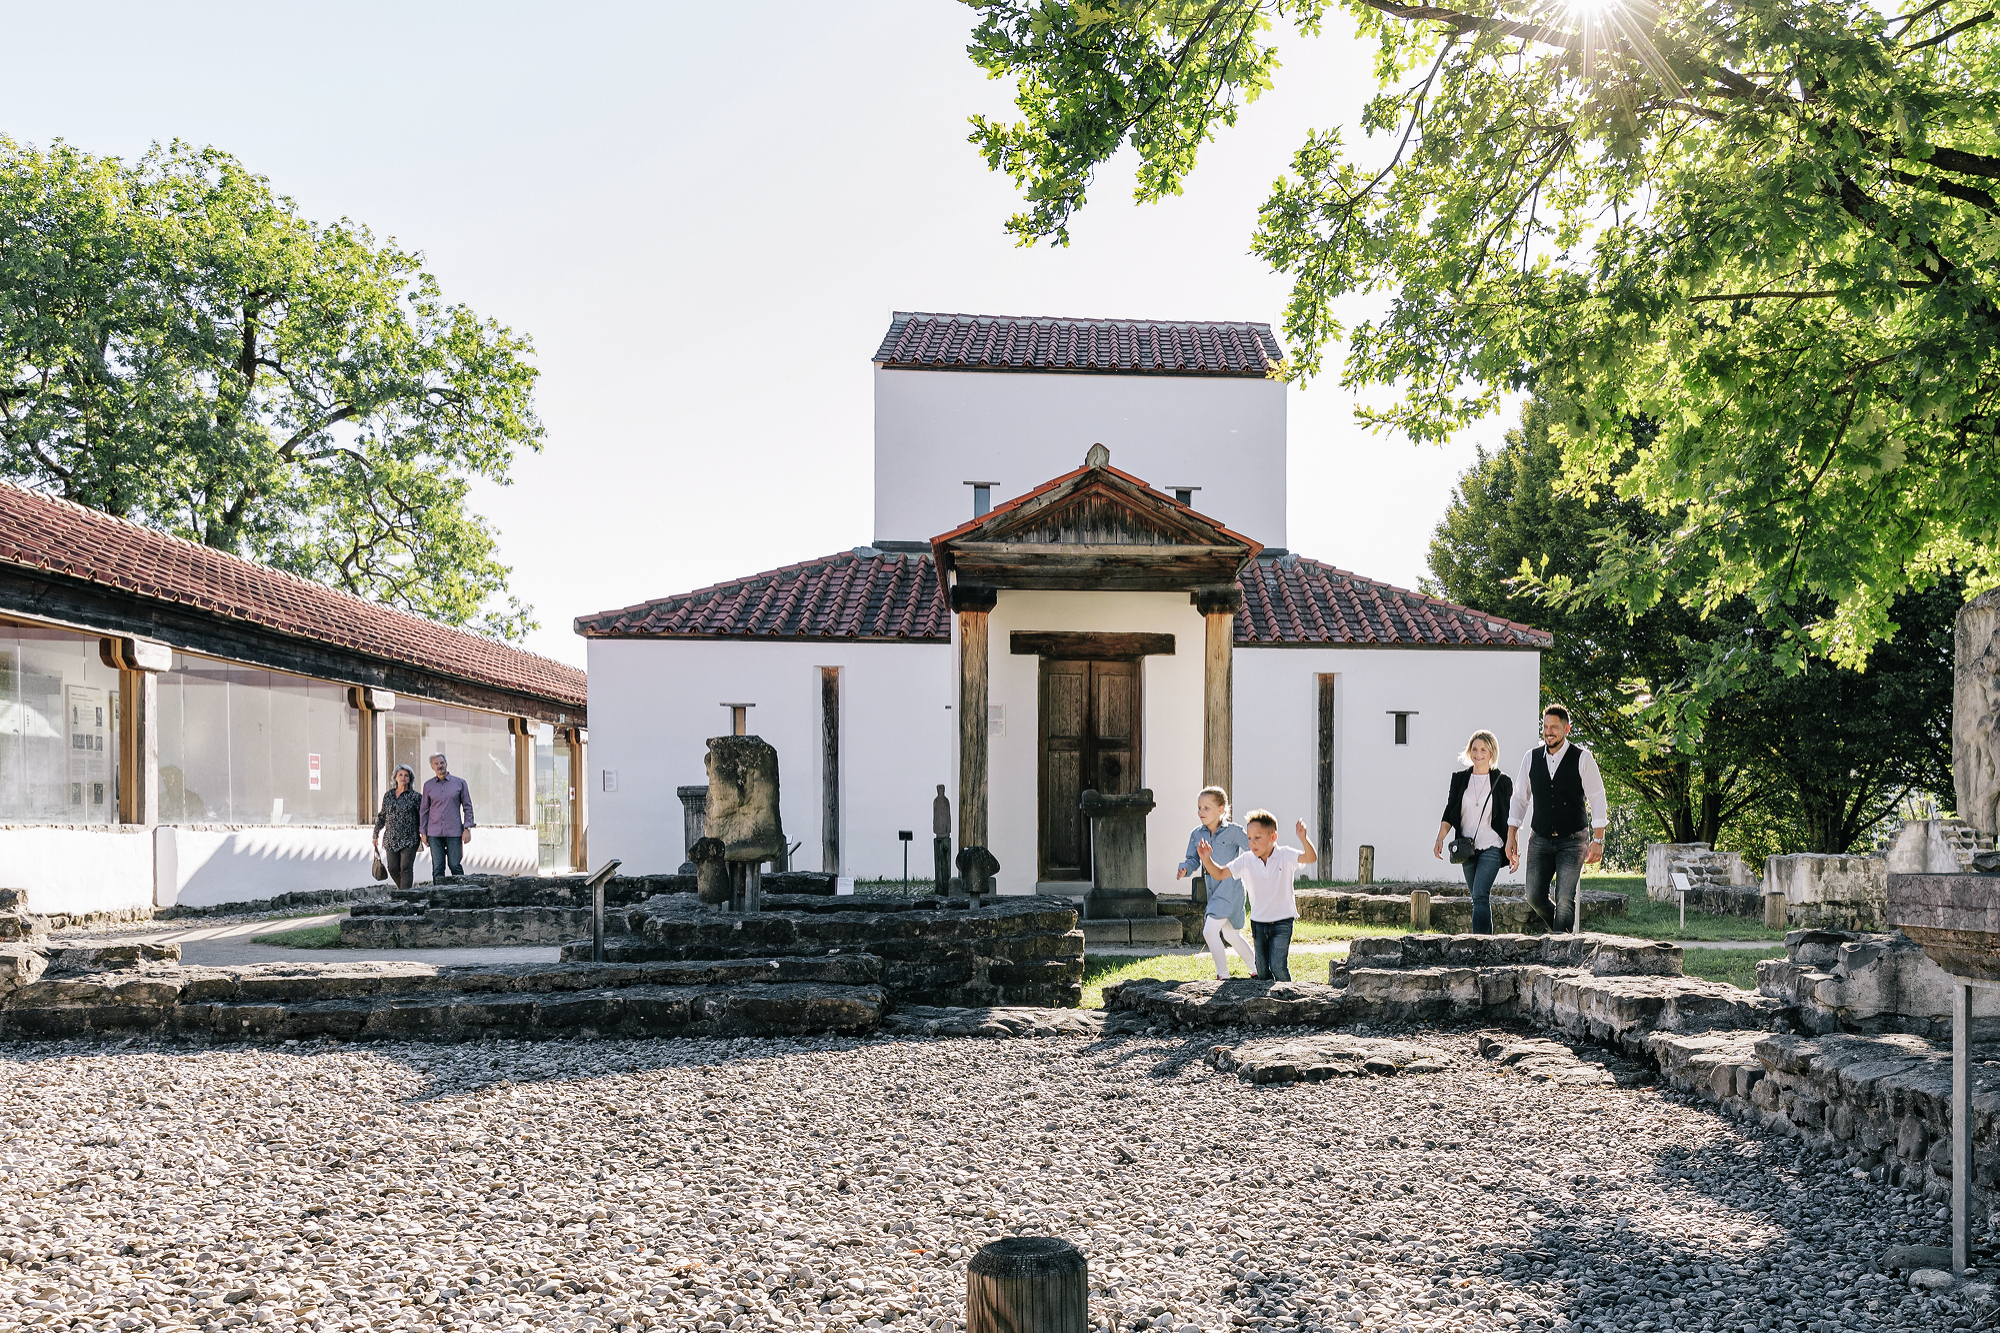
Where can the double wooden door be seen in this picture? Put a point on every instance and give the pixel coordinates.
(1089, 739)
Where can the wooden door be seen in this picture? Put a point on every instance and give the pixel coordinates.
(1089, 738)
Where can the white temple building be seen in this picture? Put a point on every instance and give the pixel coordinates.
(1078, 578)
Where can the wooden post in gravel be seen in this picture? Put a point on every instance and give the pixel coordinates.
(1027, 1284)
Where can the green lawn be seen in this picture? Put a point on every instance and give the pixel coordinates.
(311, 937)
(1100, 971)
(1315, 932)
(1738, 967)
(1661, 921)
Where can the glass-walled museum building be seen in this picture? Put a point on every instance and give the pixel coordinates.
(180, 726)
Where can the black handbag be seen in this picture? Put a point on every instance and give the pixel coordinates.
(1462, 848)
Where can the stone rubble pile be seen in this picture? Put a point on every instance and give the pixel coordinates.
(838, 1185)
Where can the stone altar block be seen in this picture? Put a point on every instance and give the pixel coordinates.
(1118, 856)
(743, 798)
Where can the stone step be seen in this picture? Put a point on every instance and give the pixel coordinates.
(296, 983)
(774, 1010)
(1162, 930)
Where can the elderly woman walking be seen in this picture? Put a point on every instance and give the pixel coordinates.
(396, 835)
(1475, 819)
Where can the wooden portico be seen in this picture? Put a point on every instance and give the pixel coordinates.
(1090, 532)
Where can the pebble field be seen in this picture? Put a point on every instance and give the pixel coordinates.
(840, 1184)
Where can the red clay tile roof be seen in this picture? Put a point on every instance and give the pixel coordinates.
(1290, 600)
(39, 532)
(893, 597)
(863, 595)
(917, 341)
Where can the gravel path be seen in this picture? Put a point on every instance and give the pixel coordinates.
(835, 1183)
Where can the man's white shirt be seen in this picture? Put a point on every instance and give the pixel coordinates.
(1586, 766)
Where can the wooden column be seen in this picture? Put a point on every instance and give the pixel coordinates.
(524, 768)
(1218, 605)
(579, 803)
(1027, 1284)
(829, 773)
(1325, 788)
(372, 746)
(139, 663)
(974, 605)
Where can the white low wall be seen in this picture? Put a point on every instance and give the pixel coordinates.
(205, 864)
(70, 870)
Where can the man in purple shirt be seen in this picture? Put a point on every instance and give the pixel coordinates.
(444, 830)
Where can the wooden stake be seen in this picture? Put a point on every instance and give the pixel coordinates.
(1420, 909)
(1027, 1284)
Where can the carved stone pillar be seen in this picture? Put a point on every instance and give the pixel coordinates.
(974, 605)
(1218, 605)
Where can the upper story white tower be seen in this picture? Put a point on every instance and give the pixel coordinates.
(976, 409)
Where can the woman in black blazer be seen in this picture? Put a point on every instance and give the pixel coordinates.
(1476, 807)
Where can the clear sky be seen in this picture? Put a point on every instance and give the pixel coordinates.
(704, 214)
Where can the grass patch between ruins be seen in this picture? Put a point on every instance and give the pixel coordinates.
(1738, 967)
(309, 937)
(1661, 921)
(1101, 970)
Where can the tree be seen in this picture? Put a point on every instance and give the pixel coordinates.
(179, 347)
(1819, 755)
(1767, 227)
(1694, 775)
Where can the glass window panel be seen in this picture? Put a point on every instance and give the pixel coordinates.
(195, 743)
(476, 746)
(58, 729)
(551, 799)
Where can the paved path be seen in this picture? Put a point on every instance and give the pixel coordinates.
(229, 944)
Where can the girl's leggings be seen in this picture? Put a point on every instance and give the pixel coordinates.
(1215, 930)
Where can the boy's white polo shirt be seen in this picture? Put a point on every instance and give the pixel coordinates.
(1269, 883)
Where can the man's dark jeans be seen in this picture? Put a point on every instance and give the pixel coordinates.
(1480, 873)
(1559, 860)
(445, 850)
(1272, 941)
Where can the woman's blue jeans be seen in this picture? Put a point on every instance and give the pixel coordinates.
(1480, 872)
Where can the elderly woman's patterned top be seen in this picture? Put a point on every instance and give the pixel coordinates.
(399, 816)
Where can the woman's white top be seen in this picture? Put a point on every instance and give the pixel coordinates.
(1471, 820)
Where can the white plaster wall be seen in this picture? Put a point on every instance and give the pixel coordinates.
(655, 703)
(76, 870)
(935, 430)
(1385, 795)
(202, 865)
(1170, 720)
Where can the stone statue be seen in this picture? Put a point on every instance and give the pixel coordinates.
(743, 799)
(711, 872)
(976, 869)
(1975, 713)
(941, 841)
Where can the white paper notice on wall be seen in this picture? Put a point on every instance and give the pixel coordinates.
(996, 719)
(312, 772)
(611, 779)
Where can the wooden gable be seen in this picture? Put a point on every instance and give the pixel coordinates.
(1096, 529)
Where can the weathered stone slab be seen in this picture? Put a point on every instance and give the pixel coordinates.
(1547, 1061)
(743, 799)
(1956, 918)
(992, 1021)
(1845, 981)
(1602, 955)
(1310, 1059)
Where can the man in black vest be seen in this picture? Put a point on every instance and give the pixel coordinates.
(1559, 794)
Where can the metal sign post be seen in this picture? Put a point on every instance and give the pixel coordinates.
(596, 886)
(905, 835)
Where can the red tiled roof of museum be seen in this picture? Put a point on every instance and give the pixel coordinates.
(923, 341)
(893, 596)
(861, 594)
(40, 532)
(1293, 600)
(1025, 498)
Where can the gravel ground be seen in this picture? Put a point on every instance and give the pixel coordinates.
(838, 1183)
